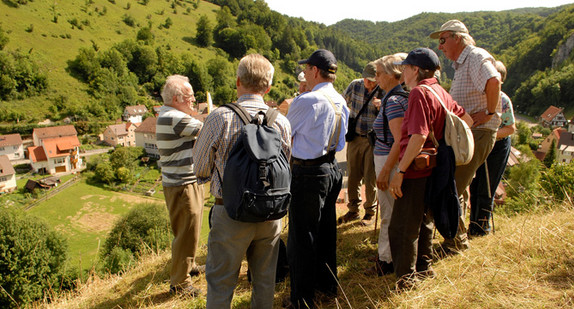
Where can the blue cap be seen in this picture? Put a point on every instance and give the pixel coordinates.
(323, 59)
(423, 58)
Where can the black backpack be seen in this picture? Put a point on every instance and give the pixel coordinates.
(257, 177)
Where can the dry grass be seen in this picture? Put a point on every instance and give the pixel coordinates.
(527, 263)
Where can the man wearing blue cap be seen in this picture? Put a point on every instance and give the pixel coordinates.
(476, 87)
(318, 123)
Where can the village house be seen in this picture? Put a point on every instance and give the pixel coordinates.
(122, 134)
(7, 175)
(284, 106)
(146, 138)
(11, 146)
(553, 117)
(55, 150)
(547, 142)
(134, 114)
(565, 153)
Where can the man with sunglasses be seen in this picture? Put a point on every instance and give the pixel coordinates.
(476, 87)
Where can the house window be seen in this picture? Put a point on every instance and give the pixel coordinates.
(1, 148)
(15, 147)
(3, 179)
(60, 160)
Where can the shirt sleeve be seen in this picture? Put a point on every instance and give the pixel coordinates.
(205, 148)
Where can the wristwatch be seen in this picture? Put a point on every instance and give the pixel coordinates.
(489, 113)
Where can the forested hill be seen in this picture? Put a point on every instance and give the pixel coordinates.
(526, 40)
(88, 59)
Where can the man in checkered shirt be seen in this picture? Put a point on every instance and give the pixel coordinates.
(476, 87)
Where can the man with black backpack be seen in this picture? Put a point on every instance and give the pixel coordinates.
(235, 230)
(318, 120)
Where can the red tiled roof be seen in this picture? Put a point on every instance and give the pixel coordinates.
(566, 139)
(51, 132)
(550, 113)
(10, 140)
(37, 154)
(60, 147)
(147, 126)
(6, 167)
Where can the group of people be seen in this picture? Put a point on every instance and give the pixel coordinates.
(390, 126)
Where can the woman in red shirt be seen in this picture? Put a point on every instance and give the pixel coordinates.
(411, 226)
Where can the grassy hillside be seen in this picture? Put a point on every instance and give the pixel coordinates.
(527, 263)
(31, 29)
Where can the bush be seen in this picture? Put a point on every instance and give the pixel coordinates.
(557, 181)
(33, 259)
(145, 227)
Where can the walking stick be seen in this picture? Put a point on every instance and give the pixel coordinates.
(376, 220)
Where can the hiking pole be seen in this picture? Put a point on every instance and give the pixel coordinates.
(376, 219)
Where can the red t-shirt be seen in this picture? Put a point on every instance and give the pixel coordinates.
(425, 111)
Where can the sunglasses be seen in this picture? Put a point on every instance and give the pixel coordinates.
(443, 40)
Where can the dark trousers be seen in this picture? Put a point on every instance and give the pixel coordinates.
(312, 240)
(410, 230)
(480, 201)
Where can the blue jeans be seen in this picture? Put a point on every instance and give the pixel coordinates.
(480, 200)
(312, 240)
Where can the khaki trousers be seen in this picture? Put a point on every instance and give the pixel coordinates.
(361, 166)
(185, 206)
(484, 140)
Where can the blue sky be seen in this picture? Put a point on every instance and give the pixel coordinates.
(332, 11)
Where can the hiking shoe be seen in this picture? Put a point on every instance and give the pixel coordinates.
(380, 269)
(348, 217)
(185, 291)
(197, 270)
(425, 274)
(367, 220)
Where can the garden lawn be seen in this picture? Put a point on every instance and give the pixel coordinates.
(84, 214)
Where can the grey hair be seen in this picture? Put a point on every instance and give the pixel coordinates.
(467, 40)
(255, 73)
(501, 69)
(174, 85)
(387, 63)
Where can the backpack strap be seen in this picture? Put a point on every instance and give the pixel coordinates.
(385, 119)
(240, 111)
(441, 103)
(270, 116)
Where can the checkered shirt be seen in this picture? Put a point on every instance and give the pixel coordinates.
(355, 95)
(219, 134)
(473, 68)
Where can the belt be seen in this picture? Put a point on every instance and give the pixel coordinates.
(218, 201)
(328, 158)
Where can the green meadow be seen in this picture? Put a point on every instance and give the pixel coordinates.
(32, 30)
(84, 214)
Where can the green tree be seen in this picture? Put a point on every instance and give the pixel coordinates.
(3, 39)
(33, 259)
(104, 173)
(550, 157)
(146, 226)
(204, 36)
(558, 181)
(145, 35)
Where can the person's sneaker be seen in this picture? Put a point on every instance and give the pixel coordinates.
(348, 217)
(368, 220)
(197, 270)
(185, 291)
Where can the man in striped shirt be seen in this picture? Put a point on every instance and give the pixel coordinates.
(176, 132)
(231, 240)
